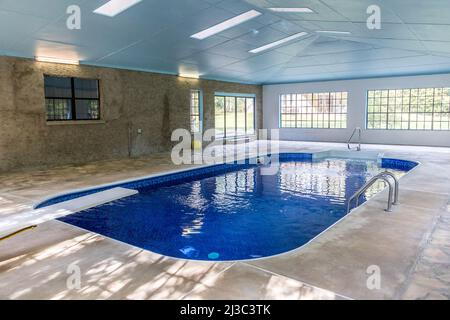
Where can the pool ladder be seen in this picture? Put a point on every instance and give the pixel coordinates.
(393, 190)
(358, 147)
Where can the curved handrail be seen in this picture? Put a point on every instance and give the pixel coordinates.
(396, 186)
(358, 148)
(369, 183)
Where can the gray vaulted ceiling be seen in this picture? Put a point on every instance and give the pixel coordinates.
(154, 35)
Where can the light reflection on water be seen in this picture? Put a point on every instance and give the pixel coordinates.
(326, 178)
(235, 215)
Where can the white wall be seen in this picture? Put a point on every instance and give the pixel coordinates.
(356, 116)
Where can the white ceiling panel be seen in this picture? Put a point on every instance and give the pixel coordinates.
(155, 35)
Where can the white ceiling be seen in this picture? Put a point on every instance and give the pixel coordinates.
(154, 35)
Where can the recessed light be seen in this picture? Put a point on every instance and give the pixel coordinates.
(56, 60)
(114, 7)
(333, 32)
(292, 10)
(279, 42)
(227, 24)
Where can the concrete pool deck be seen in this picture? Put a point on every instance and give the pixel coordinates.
(411, 246)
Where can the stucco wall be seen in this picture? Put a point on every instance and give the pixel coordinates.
(155, 103)
(356, 116)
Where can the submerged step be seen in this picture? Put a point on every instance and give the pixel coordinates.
(348, 154)
(38, 216)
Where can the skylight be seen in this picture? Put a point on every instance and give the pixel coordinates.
(114, 7)
(227, 24)
(333, 32)
(292, 10)
(278, 43)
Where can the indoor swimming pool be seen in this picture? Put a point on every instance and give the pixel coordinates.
(234, 211)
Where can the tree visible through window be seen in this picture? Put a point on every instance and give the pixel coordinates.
(409, 109)
(71, 98)
(234, 116)
(327, 110)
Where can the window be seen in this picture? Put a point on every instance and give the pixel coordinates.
(314, 110)
(409, 109)
(234, 115)
(71, 98)
(196, 120)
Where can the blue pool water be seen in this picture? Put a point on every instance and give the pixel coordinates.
(236, 213)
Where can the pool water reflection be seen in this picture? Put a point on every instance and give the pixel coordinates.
(235, 215)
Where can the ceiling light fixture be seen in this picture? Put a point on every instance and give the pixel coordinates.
(333, 32)
(292, 10)
(227, 24)
(56, 60)
(279, 42)
(189, 75)
(114, 7)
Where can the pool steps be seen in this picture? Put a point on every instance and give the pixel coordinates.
(348, 154)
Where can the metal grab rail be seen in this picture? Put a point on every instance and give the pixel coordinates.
(381, 176)
(358, 148)
(396, 186)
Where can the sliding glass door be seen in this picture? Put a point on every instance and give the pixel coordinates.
(234, 115)
(230, 117)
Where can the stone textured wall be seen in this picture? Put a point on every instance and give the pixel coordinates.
(155, 103)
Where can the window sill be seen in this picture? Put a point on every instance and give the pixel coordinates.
(74, 122)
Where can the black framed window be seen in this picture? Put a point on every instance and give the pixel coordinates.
(71, 98)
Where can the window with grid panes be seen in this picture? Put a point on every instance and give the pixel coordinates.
(326, 110)
(195, 112)
(409, 109)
